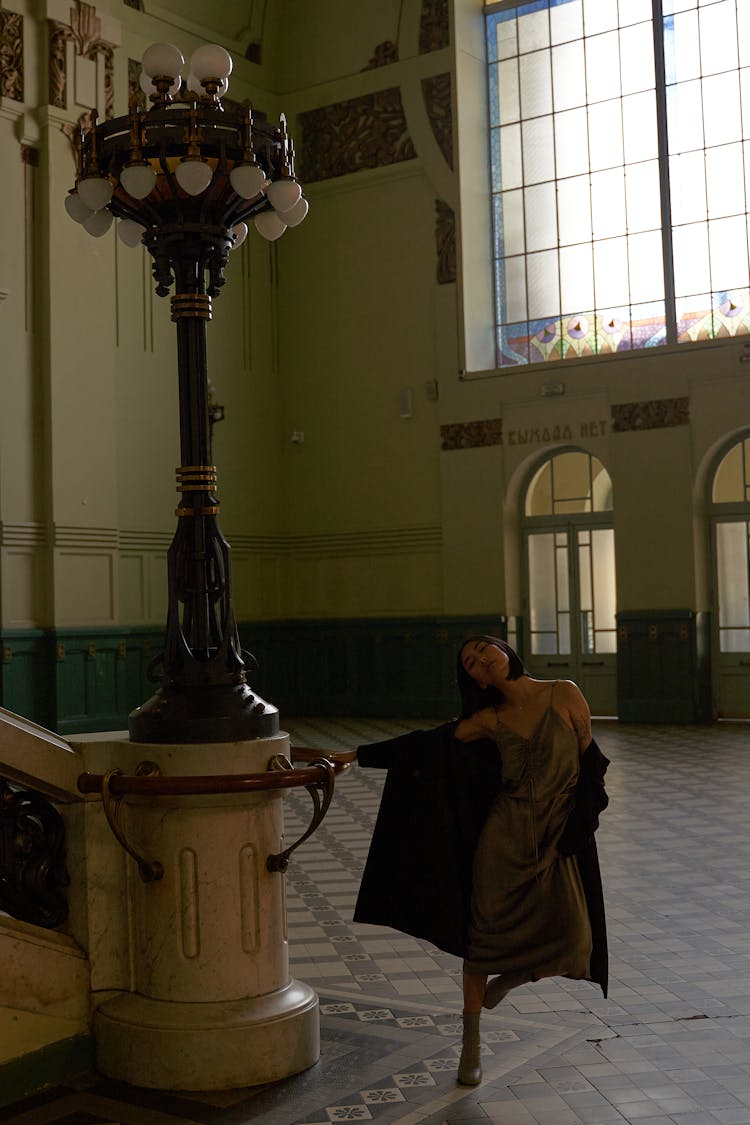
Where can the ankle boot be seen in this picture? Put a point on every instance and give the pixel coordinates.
(496, 991)
(469, 1067)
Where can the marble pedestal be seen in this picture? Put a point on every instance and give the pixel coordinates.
(211, 1004)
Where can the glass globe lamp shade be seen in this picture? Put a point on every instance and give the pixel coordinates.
(283, 194)
(239, 230)
(138, 180)
(162, 60)
(210, 61)
(248, 180)
(76, 208)
(269, 225)
(95, 191)
(98, 223)
(295, 215)
(193, 176)
(129, 232)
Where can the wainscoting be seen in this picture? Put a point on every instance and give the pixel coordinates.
(85, 680)
(663, 673)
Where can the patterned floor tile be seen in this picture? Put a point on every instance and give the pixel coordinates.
(670, 1045)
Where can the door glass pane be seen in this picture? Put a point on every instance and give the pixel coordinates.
(604, 589)
(572, 481)
(542, 584)
(563, 626)
(735, 640)
(563, 588)
(548, 575)
(732, 576)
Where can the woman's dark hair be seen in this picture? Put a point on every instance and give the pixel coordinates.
(473, 697)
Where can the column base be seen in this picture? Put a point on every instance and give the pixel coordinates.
(214, 1046)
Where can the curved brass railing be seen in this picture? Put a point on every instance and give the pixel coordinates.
(148, 781)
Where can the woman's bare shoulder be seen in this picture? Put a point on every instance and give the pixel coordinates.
(569, 692)
(569, 699)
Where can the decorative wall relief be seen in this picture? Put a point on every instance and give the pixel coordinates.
(445, 237)
(32, 858)
(11, 55)
(85, 33)
(471, 435)
(434, 26)
(364, 132)
(385, 53)
(136, 96)
(657, 414)
(436, 92)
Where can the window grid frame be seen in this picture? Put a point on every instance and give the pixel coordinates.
(670, 334)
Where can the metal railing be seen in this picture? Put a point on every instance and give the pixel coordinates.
(148, 781)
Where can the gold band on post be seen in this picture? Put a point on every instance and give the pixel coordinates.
(213, 510)
(191, 304)
(196, 478)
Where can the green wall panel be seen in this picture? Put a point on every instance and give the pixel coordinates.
(380, 667)
(662, 674)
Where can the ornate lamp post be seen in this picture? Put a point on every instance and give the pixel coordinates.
(184, 178)
(209, 1002)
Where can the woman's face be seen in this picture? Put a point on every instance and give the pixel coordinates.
(485, 663)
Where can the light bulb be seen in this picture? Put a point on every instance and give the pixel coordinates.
(76, 208)
(294, 216)
(240, 234)
(211, 61)
(138, 180)
(162, 60)
(284, 193)
(248, 180)
(193, 176)
(269, 225)
(98, 223)
(95, 191)
(129, 232)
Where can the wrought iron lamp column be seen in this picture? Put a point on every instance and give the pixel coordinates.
(203, 695)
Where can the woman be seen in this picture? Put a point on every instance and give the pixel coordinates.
(491, 856)
(529, 916)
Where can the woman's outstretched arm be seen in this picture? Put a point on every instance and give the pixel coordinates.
(481, 724)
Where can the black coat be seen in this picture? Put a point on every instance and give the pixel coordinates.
(437, 794)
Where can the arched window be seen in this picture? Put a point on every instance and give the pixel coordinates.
(570, 575)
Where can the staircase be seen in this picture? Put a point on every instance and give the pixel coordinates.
(44, 972)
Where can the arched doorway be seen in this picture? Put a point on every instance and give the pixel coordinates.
(569, 566)
(730, 527)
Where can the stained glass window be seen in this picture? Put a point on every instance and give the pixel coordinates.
(620, 165)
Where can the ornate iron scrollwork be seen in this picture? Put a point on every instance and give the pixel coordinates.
(280, 860)
(32, 858)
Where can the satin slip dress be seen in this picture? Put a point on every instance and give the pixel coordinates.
(528, 913)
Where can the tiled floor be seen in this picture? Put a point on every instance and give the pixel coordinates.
(670, 1045)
